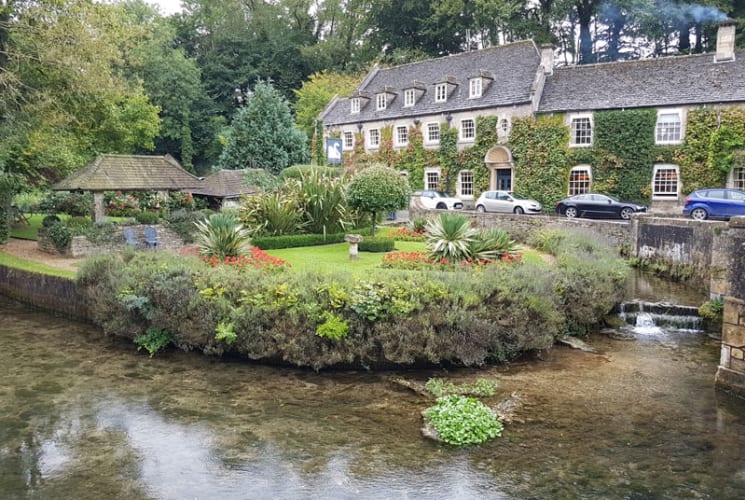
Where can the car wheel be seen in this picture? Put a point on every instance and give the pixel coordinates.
(441, 206)
(571, 212)
(626, 213)
(480, 209)
(519, 210)
(699, 214)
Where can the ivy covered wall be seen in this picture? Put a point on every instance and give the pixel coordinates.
(622, 156)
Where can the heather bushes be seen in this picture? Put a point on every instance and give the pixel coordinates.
(397, 317)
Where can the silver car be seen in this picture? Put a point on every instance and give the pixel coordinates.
(507, 202)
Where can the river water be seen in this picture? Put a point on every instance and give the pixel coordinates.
(83, 416)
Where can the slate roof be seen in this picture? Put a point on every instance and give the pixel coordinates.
(669, 81)
(513, 68)
(130, 173)
(226, 184)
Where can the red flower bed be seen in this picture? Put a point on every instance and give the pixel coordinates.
(406, 234)
(257, 258)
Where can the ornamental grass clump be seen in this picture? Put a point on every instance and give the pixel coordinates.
(221, 236)
(463, 421)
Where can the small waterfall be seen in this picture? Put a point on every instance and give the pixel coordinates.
(645, 324)
(650, 318)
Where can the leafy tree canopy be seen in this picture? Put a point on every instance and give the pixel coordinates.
(378, 189)
(317, 92)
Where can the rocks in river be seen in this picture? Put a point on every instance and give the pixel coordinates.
(575, 343)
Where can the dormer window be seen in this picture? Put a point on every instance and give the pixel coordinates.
(441, 92)
(380, 102)
(354, 105)
(474, 88)
(409, 97)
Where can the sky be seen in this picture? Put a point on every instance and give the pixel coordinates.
(167, 7)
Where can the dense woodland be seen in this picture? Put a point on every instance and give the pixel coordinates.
(79, 78)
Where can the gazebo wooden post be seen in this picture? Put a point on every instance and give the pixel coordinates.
(99, 213)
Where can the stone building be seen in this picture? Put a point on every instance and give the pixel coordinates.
(519, 80)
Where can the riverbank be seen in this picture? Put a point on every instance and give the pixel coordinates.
(29, 250)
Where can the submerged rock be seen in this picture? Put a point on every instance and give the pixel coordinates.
(575, 343)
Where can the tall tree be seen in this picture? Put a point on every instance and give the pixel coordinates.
(63, 93)
(263, 135)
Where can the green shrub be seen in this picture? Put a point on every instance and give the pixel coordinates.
(300, 240)
(60, 235)
(333, 327)
(418, 224)
(147, 217)
(153, 340)
(298, 171)
(272, 213)
(399, 318)
(182, 222)
(463, 421)
(377, 244)
(50, 220)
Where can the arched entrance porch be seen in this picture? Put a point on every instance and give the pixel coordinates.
(498, 161)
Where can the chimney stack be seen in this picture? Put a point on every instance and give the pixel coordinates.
(726, 41)
(547, 58)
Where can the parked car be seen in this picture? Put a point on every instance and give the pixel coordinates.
(717, 203)
(435, 199)
(597, 205)
(507, 202)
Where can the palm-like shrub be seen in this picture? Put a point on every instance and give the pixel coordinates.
(450, 237)
(272, 213)
(221, 236)
(492, 243)
(322, 200)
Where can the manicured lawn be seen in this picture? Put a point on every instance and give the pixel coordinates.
(27, 231)
(27, 265)
(328, 258)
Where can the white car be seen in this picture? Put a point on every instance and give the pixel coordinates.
(507, 202)
(435, 199)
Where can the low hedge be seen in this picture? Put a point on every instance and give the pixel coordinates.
(302, 240)
(395, 318)
(377, 244)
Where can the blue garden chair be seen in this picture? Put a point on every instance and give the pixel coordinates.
(130, 238)
(151, 237)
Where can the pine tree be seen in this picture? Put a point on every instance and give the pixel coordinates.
(263, 134)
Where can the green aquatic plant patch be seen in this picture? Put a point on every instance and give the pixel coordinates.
(463, 421)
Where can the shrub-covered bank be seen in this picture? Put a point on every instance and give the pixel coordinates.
(321, 320)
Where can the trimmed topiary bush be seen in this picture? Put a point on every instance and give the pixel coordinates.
(377, 244)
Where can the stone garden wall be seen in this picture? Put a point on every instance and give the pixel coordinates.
(82, 247)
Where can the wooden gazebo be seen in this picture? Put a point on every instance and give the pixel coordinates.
(128, 173)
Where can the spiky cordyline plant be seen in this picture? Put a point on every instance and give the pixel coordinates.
(221, 236)
(450, 236)
(492, 243)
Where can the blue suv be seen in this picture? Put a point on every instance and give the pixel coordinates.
(715, 203)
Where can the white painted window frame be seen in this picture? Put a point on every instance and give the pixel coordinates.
(465, 194)
(354, 105)
(381, 101)
(348, 140)
(409, 98)
(572, 118)
(658, 194)
(402, 139)
(427, 136)
(430, 173)
(475, 88)
(462, 129)
(680, 127)
(441, 92)
(573, 185)
(502, 132)
(736, 178)
(373, 144)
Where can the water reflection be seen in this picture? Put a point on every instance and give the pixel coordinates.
(87, 417)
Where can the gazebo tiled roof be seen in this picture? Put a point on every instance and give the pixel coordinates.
(225, 184)
(130, 173)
